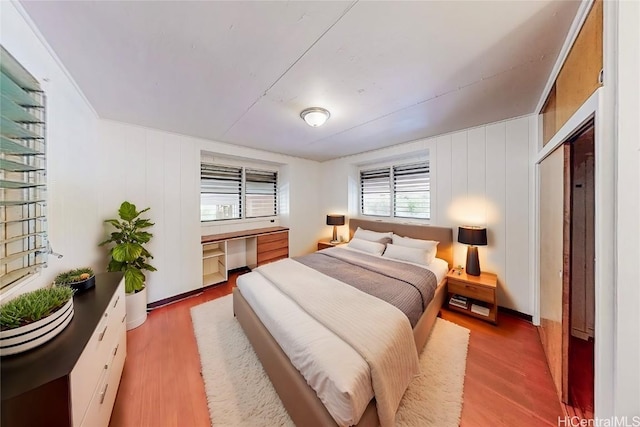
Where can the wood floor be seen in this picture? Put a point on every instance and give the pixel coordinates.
(507, 381)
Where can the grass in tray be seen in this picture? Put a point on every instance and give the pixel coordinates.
(73, 276)
(33, 306)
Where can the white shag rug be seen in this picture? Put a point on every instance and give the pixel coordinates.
(239, 392)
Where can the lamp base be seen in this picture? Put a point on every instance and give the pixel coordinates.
(335, 234)
(473, 262)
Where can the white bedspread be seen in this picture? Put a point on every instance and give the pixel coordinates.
(338, 374)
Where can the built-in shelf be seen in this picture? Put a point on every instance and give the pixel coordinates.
(213, 278)
(214, 261)
(211, 253)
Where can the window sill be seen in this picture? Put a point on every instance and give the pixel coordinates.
(395, 219)
(219, 222)
(26, 284)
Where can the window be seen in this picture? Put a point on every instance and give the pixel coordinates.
(234, 192)
(375, 191)
(400, 191)
(260, 194)
(23, 239)
(220, 192)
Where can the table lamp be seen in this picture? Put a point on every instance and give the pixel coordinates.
(335, 220)
(472, 236)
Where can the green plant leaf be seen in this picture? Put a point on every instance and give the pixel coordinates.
(142, 236)
(115, 237)
(148, 267)
(146, 253)
(115, 265)
(142, 223)
(133, 280)
(33, 306)
(72, 276)
(128, 211)
(117, 224)
(126, 252)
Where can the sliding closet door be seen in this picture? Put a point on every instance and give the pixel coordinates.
(551, 173)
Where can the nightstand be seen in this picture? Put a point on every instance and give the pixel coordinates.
(324, 244)
(477, 289)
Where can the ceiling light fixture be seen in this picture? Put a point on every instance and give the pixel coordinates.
(315, 116)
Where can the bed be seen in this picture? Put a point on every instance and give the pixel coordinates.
(299, 398)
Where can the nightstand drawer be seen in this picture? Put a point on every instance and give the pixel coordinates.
(472, 291)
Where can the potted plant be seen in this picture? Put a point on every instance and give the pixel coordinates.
(79, 279)
(130, 256)
(34, 318)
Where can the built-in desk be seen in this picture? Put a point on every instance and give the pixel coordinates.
(263, 245)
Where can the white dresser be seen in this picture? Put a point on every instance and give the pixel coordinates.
(72, 380)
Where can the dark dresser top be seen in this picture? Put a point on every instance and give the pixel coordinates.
(56, 358)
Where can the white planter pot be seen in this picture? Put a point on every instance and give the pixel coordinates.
(136, 309)
(26, 337)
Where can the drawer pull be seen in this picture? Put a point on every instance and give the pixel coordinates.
(116, 303)
(123, 317)
(104, 331)
(115, 350)
(103, 393)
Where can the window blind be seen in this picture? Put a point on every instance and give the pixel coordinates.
(220, 192)
(375, 192)
(411, 188)
(261, 189)
(23, 238)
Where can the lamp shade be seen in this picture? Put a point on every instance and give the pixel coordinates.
(475, 236)
(335, 219)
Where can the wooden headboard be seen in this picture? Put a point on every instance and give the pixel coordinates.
(443, 235)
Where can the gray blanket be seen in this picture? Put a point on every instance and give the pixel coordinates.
(409, 288)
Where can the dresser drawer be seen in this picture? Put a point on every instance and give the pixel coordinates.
(472, 291)
(273, 255)
(101, 404)
(87, 372)
(266, 238)
(273, 245)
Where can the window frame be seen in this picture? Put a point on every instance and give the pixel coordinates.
(222, 170)
(268, 179)
(243, 207)
(24, 173)
(391, 167)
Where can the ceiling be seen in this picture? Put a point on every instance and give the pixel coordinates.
(241, 72)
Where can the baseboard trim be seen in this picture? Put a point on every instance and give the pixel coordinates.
(516, 313)
(189, 294)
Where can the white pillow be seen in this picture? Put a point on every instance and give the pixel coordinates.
(374, 248)
(372, 236)
(404, 253)
(430, 245)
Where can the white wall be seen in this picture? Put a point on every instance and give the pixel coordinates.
(161, 170)
(479, 176)
(72, 145)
